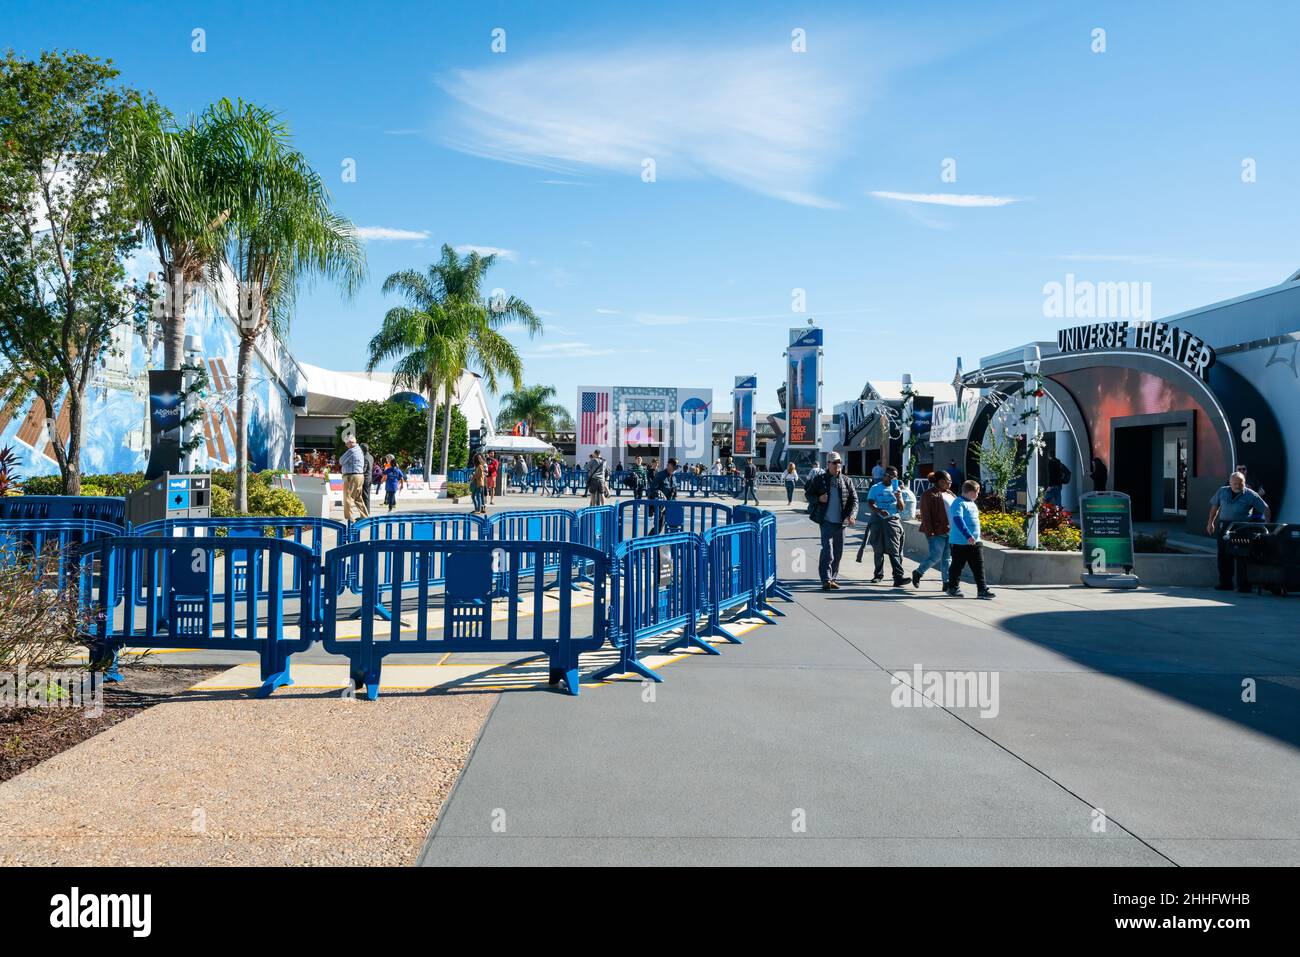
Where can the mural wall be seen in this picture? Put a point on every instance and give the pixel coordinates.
(116, 435)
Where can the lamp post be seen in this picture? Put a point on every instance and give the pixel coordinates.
(907, 422)
(1033, 361)
(193, 357)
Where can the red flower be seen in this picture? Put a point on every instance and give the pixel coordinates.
(1039, 394)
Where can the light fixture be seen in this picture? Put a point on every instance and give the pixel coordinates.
(1033, 359)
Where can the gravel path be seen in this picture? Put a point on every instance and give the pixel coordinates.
(310, 779)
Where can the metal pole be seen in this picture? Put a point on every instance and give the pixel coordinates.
(1032, 364)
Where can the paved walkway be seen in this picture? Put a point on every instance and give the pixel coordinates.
(1120, 737)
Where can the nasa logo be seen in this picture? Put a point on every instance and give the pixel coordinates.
(695, 410)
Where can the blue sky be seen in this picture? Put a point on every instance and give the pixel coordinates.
(775, 170)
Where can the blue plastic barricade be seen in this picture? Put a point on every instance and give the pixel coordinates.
(595, 526)
(650, 516)
(534, 525)
(765, 542)
(415, 527)
(318, 535)
(195, 600)
(98, 508)
(459, 618)
(654, 589)
(733, 575)
(58, 546)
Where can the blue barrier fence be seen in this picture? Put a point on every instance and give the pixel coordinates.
(58, 548)
(99, 508)
(654, 589)
(317, 535)
(650, 516)
(410, 526)
(533, 525)
(223, 584)
(466, 621)
(734, 583)
(195, 600)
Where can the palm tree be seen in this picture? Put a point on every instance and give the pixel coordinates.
(532, 405)
(447, 328)
(182, 183)
(283, 231)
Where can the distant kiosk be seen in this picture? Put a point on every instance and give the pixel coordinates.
(1106, 526)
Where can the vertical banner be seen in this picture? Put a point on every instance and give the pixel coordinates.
(165, 414)
(803, 387)
(742, 415)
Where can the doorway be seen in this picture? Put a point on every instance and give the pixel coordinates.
(1152, 464)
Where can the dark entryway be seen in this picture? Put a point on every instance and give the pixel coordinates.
(1151, 464)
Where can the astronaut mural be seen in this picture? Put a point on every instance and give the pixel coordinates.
(117, 436)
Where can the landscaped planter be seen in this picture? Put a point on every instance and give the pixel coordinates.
(1015, 566)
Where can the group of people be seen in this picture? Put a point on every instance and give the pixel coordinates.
(363, 474)
(950, 521)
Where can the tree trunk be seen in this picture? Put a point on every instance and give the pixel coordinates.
(72, 477)
(429, 419)
(174, 320)
(446, 430)
(241, 423)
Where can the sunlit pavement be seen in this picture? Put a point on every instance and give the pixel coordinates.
(1148, 728)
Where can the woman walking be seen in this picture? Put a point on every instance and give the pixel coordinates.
(478, 486)
(791, 478)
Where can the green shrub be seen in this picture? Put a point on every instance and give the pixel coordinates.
(43, 485)
(458, 490)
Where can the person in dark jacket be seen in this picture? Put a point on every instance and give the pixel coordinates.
(834, 507)
(1099, 475)
(933, 510)
(664, 486)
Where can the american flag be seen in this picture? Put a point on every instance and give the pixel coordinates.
(593, 418)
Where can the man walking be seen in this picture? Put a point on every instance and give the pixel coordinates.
(353, 466)
(751, 476)
(596, 478)
(934, 526)
(835, 502)
(664, 486)
(1233, 503)
(885, 499)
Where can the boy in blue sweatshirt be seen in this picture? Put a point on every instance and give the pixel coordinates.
(964, 537)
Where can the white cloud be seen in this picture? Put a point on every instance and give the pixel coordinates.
(964, 200)
(567, 350)
(507, 254)
(759, 117)
(388, 233)
(609, 312)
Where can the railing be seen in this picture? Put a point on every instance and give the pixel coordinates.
(99, 508)
(466, 622)
(655, 589)
(57, 546)
(194, 598)
(652, 516)
(218, 586)
(411, 526)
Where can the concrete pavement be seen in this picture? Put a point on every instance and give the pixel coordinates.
(1120, 736)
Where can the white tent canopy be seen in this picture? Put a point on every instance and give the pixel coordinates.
(517, 444)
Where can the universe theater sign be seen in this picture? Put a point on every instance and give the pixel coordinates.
(1185, 348)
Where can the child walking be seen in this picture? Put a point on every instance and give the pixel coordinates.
(964, 536)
